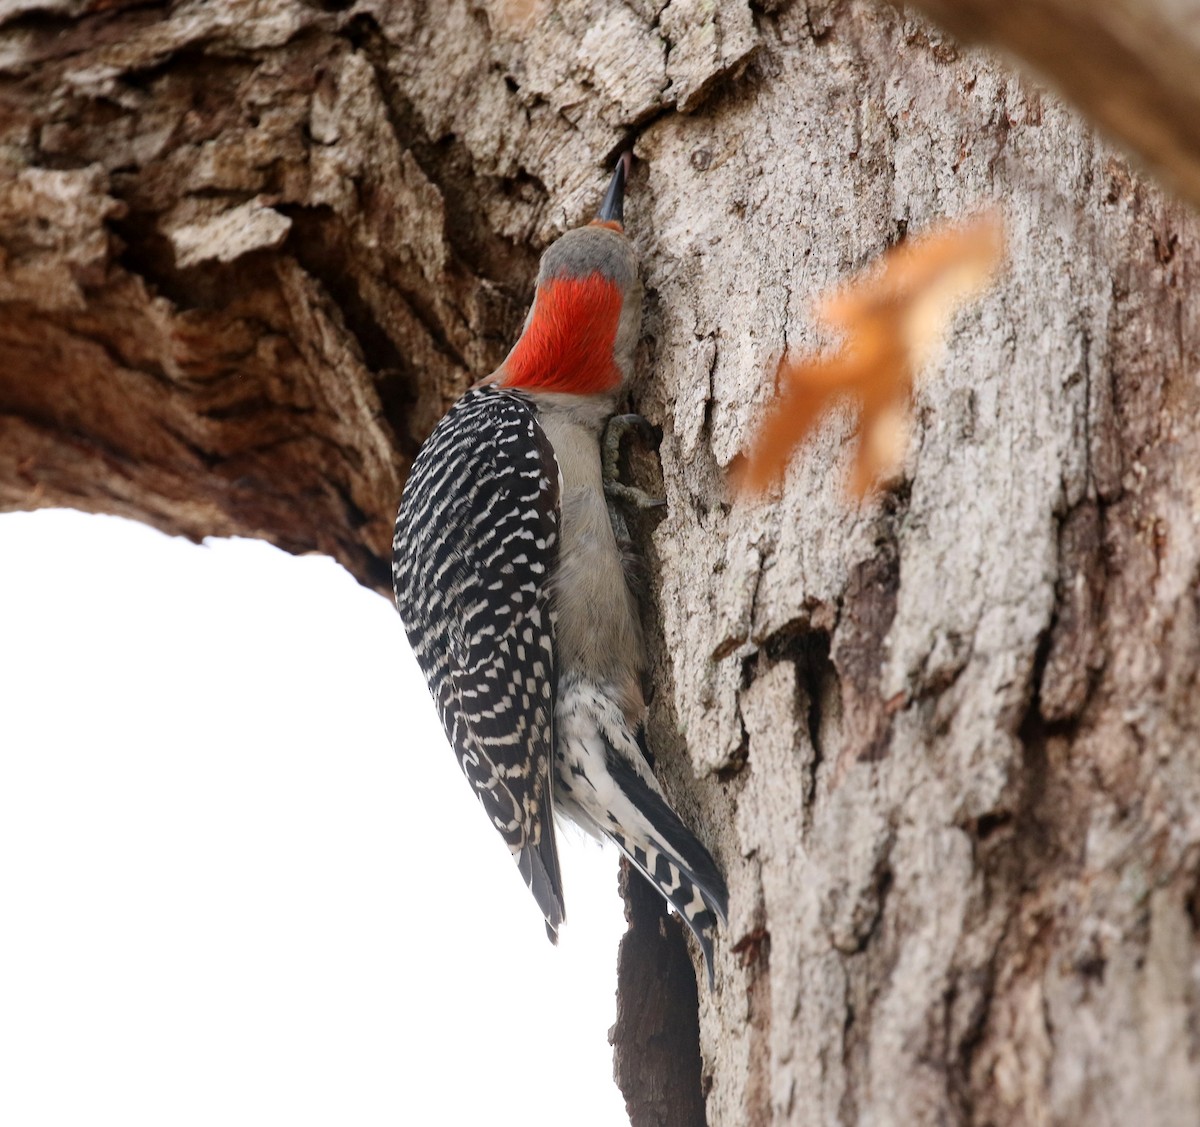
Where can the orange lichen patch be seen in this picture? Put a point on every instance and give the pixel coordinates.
(568, 345)
(893, 315)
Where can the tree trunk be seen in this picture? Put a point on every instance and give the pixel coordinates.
(944, 743)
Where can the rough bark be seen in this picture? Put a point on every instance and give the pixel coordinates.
(945, 745)
(1130, 65)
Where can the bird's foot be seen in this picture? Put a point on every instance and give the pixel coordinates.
(619, 428)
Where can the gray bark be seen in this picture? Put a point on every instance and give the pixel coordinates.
(944, 743)
(1130, 65)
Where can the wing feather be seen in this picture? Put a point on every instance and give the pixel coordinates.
(476, 541)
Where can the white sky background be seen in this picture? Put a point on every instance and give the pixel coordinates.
(242, 880)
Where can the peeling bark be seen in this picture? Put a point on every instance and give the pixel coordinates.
(944, 744)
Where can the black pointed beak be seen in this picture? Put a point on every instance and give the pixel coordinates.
(612, 210)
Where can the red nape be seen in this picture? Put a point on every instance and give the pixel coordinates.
(569, 343)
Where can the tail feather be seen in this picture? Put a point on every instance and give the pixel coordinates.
(603, 781)
(539, 866)
(666, 852)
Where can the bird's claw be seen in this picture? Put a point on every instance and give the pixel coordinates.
(632, 496)
(618, 429)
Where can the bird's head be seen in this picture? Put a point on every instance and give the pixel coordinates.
(581, 332)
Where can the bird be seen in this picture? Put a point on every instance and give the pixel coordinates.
(515, 592)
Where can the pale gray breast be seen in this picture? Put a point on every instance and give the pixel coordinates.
(597, 623)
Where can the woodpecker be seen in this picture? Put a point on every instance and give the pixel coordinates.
(513, 590)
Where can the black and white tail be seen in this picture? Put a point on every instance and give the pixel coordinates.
(603, 781)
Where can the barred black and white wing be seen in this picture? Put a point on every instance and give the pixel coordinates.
(476, 542)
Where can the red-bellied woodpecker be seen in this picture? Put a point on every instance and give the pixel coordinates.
(513, 590)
